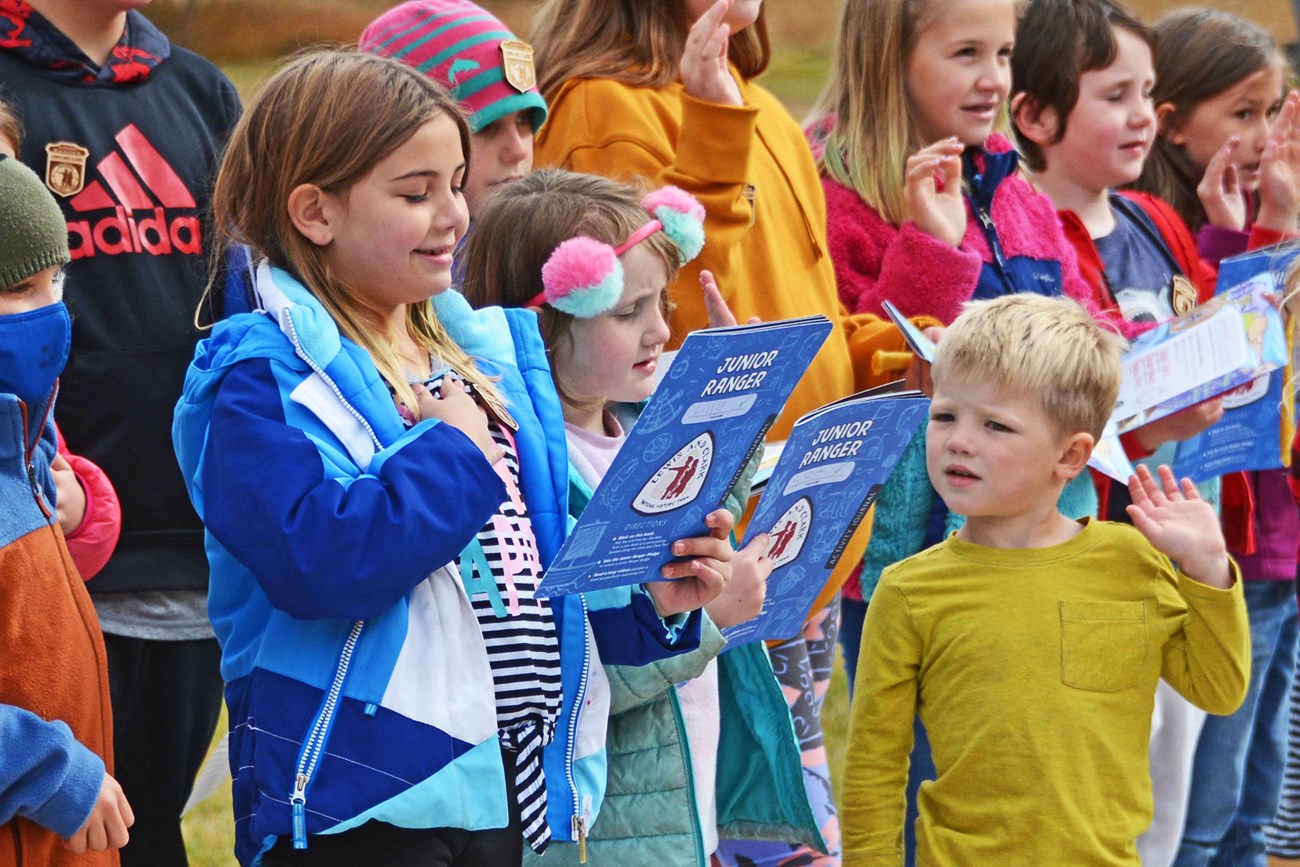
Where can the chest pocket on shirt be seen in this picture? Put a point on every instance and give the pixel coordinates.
(1103, 644)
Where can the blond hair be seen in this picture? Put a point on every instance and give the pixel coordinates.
(1049, 348)
(637, 42)
(327, 118)
(521, 226)
(872, 131)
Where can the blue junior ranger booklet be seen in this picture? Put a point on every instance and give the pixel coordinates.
(706, 419)
(1248, 437)
(831, 468)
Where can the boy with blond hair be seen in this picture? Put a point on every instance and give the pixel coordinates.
(1030, 644)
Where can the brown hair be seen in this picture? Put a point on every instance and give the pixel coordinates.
(1199, 54)
(523, 223)
(637, 42)
(1057, 41)
(327, 118)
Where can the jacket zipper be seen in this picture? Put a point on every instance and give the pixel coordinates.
(995, 245)
(676, 706)
(579, 821)
(314, 745)
(320, 371)
(18, 841)
(30, 452)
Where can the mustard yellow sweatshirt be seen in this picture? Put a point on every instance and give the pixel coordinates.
(765, 229)
(1034, 672)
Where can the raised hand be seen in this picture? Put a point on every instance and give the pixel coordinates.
(453, 406)
(941, 214)
(699, 576)
(105, 827)
(1220, 189)
(1279, 170)
(704, 70)
(1180, 524)
(720, 315)
(742, 598)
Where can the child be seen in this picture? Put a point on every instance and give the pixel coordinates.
(1228, 149)
(381, 483)
(685, 767)
(664, 90)
(88, 510)
(488, 71)
(127, 129)
(1029, 643)
(55, 724)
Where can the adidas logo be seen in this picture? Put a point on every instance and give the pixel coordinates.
(131, 176)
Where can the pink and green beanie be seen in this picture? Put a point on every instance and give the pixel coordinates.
(458, 44)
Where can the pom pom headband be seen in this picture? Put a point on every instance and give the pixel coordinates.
(583, 277)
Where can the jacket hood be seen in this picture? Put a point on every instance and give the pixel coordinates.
(31, 36)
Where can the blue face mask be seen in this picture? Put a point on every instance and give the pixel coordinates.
(33, 350)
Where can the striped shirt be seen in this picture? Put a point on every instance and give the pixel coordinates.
(501, 570)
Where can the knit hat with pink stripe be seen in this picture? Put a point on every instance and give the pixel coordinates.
(459, 45)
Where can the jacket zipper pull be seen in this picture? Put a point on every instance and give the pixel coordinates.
(299, 802)
(580, 834)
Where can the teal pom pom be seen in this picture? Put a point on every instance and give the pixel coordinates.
(594, 299)
(686, 231)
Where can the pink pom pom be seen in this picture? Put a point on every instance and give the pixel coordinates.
(577, 264)
(676, 199)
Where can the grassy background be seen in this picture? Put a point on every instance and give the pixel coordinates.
(248, 37)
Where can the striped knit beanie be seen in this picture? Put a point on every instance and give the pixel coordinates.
(467, 50)
(33, 234)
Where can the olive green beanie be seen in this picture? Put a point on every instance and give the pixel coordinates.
(33, 234)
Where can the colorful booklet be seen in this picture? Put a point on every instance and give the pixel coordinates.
(705, 421)
(831, 469)
(1249, 436)
(1227, 342)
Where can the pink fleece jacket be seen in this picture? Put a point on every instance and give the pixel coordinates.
(877, 261)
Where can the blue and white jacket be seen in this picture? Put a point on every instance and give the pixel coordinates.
(357, 680)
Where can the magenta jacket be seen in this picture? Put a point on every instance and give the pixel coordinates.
(877, 261)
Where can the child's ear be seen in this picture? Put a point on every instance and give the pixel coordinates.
(309, 211)
(1074, 456)
(1167, 124)
(1038, 124)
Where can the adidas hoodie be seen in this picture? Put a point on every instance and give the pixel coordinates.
(151, 124)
